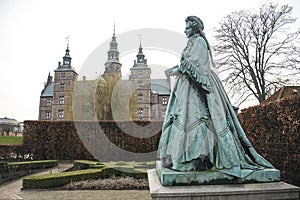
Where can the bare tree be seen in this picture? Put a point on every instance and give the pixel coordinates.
(257, 51)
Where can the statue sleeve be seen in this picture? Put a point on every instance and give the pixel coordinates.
(195, 62)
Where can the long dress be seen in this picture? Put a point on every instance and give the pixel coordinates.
(200, 120)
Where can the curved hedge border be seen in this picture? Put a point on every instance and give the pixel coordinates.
(59, 179)
(12, 170)
(87, 164)
(97, 171)
(31, 165)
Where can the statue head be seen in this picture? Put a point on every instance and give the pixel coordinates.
(193, 25)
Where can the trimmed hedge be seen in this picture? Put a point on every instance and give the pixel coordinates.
(59, 179)
(60, 139)
(63, 178)
(14, 152)
(273, 130)
(106, 170)
(86, 164)
(53, 140)
(12, 170)
(120, 168)
(31, 165)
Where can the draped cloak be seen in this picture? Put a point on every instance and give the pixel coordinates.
(200, 120)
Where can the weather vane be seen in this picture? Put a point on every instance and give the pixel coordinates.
(114, 28)
(68, 40)
(140, 37)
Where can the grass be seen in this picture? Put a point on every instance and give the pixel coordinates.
(11, 139)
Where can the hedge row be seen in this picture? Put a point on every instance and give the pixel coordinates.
(86, 164)
(31, 165)
(274, 130)
(53, 140)
(12, 170)
(13, 152)
(64, 140)
(60, 179)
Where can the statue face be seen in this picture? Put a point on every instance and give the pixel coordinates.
(188, 29)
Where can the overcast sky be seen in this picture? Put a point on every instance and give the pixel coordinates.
(33, 37)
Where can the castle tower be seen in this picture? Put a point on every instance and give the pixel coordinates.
(112, 65)
(140, 78)
(64, 78)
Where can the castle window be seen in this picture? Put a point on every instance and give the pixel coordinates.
(63, 76)
(140, 98)
(48, 102)
(48, 114)
(67, 62)
(60, 114)
(62, 86)
(140, 74)
(140, 84)
(61, 99)
(164, 101)
(140, 113)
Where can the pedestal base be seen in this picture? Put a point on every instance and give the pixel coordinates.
(256, 191)
(170, 177)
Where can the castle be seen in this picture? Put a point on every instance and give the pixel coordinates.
(151, 95)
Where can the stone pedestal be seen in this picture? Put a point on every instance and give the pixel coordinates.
(256, 191)
(170, 177)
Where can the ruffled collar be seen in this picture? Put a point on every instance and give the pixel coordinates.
(194, 36)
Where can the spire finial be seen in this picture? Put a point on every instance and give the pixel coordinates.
(68, 40)
(140, 37)
(114, 28)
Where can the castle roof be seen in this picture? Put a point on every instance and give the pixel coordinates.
(284, 92)
(160, 86)
(48, 90)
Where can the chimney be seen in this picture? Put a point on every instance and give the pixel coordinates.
(49, 80)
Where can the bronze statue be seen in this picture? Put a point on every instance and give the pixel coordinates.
(201, 130)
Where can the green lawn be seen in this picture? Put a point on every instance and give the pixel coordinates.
(11, 140)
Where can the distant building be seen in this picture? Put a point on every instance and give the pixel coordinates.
(10, 127)
(152, 95)
(285, 91)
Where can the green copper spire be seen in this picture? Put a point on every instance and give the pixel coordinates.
(113, 53)
(67, 58)
(140, 57)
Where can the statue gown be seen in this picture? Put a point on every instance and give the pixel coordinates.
(200, 120)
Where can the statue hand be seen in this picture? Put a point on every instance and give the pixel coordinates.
(174, 71)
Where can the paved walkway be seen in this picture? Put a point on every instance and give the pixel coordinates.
(12, 190)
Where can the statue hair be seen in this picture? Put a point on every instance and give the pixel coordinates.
(198, 27)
